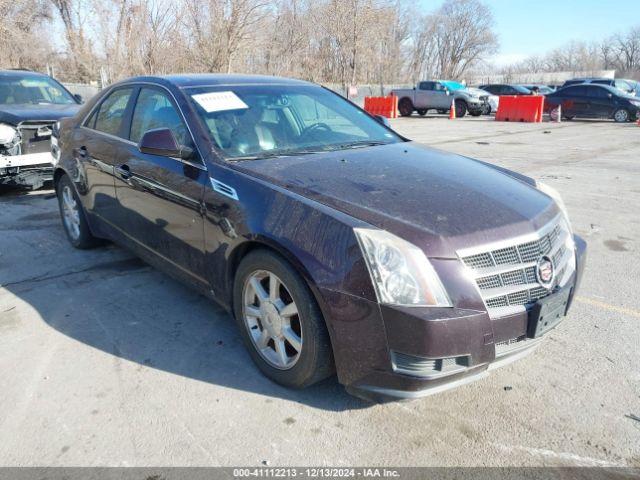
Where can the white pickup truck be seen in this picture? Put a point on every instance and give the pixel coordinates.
(438, 95)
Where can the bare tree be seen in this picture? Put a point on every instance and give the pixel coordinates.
(21, 32)
(463, 36)
(219, 29)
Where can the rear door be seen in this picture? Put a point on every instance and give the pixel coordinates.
(423, 95)
(161, 197)
(574, 101)
(99, 146)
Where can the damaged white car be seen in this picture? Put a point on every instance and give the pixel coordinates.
(30, 105)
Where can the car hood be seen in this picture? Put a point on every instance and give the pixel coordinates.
(14, 114)
(439, 201)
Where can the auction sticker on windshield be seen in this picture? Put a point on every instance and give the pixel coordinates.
(219, 101)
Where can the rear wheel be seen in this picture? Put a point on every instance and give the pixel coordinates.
(461, 108)
(405, 107)
(422, 112)
(73, 216)
(621, 115)
(280, 321)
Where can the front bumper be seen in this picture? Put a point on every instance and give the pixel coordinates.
(30, 170)
(452, 346)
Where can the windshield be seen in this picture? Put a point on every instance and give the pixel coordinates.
(260, 121)
(453, 86)
(32, 90)
(521, 89)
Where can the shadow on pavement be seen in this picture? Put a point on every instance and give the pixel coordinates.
(111, 301)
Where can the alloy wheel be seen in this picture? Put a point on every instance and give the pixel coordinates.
(621, 115)
(70, 213)
(272, 320)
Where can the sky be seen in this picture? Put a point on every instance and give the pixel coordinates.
(530, 27)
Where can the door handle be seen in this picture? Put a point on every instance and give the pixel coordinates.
(82, 152)
(124, 171)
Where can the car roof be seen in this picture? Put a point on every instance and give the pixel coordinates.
(594, 85)
(213, 79)
(20, 73)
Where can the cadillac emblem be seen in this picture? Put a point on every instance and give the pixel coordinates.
(545, 271)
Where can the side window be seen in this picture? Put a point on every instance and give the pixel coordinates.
(109, 116)
(572, 91)
(154, 110)
(596, 92)
(426, 86)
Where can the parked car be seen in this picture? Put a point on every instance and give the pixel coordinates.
(503, 89)
(593, 101)
(337, 244)
(491, 105)
(541, 89)
(625, 86)
(438, 95)
(30, 104)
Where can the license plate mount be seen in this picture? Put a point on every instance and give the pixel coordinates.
(547, 313)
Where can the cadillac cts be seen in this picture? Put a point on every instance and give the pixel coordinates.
(337, 244)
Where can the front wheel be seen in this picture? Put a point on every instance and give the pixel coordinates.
(73, 216)
(405, 107)
(621, 115)
(280, 321)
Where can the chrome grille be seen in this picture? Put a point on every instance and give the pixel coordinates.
(505, 273)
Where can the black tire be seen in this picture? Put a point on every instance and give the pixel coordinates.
(315, 361)
(621, 115)
(475, 113)
(422, 112)
(405, 107)
(83, 238)
(461, 108)
(568, 117)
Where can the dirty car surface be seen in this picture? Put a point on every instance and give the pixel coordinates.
(337, 244)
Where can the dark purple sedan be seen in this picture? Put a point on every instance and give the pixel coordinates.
(337, 245)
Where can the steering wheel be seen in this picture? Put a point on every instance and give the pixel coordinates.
(314, 127)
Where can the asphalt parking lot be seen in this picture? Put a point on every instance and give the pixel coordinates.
(106, 361)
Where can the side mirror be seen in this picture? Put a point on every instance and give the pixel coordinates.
(383, 120)
(162, 141)
(414, 88)
(446, 90)
(78, 98)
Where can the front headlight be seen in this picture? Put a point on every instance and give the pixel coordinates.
(8, 134)
(553, 193)
(400, 271)
(635, 102)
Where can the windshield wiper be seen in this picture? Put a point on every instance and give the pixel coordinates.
(284, 153)
(360, 144)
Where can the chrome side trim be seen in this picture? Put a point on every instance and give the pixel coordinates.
(224, 189)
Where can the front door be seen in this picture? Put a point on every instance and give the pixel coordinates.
(161, 197)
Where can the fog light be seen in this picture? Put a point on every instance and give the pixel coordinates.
(428, 367)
